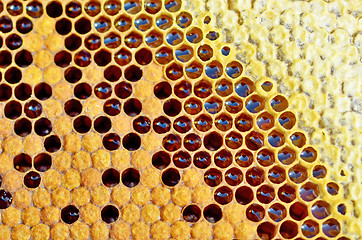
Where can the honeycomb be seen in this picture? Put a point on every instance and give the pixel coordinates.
(136, 120)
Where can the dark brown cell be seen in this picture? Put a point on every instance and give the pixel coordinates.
(13, 41)
(254, 140)
(212, 213)
(191, 213)
(266, 231)
(73, 108)
(109, 214)
(32, 179)
(23, 58)
(62, 59)
(224, 87)
(202, 89)
(213, 177)
(6, 92)
(111, 141)
(205, 52)
(265, 194)
(152, 6)
(123, 90)
(298, 211)
(143, 22)
(203, 123)
(14, 8)
(70, 214)
(265, 121)
(319, 172)
(92, 42)
(161, 125)
(310, 228)
(276, 175)
(131, 142)
(233, 105)
(288, 229)
(13, 109)
(42, 162)
(193, 106)
(142, 124)
(213, 141)
(92, 8)
(83, 25)
(287, 120)
(255, 212)
(223, 122)
(244, 195)
(244, 158)
(13, 75)
(132, 107)
(52, 144)
(5, 59)
(22, 162)
(298, 139)
(255, 176)
(223, 195)
(286, 156)
(321, 209)
(286, 193)
(309, 154)
(112, 107)
(172, 107)
(244, 87)
(112, 40)
(194, 35)
(277, 212)
(265, 157)
(130, 177)
(72, 74)
(102, 58)
(309, 191)
(33, 109)
(244, 122)
(183, 89)
(82, 90)
(184, 53)
(63, 26)
(22, 92)
(161, 160)
(102, 124)
(133, 40)
(279, 103)
(192, 142)
(143, 56)
(182, 124)
(22, 127)
(331, 228)
(111, 177)
(43, 91)
(73, 42)
(82, 58)
(54, 9)
(73, 9)
(112, 7)
(5, 199)
(174, 71)
(133, 73)
(298, 174)
(174, 37)
(34, 9)
(154, 39)
(170, 177)
(164, 56)
(233, 140)
(132, 6)
(162, 90)
(181, 159)
(24, 25)
(223, 158)
(171, 142)
(202, 159)
(233, 176)
(82, 124)
(254, 104)
(123, 23)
